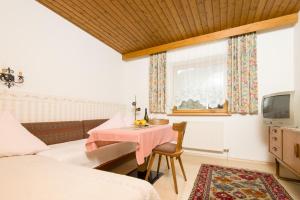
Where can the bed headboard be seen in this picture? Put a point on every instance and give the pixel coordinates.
(64, 131)
(90, 124)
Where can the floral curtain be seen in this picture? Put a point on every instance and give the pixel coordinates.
(157, 83)
(242, 74)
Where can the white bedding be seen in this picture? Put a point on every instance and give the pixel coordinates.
(74, 152)
(39, 178)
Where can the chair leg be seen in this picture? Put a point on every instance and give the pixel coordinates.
(182, 169)
(167, 162)
(174, 174)
(158, 165)
(150, 166)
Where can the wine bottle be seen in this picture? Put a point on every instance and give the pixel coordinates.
(146, 117)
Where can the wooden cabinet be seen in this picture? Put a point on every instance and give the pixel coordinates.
(284, 144)
(291, 149)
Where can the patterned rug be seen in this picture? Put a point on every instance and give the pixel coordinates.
(223, 183)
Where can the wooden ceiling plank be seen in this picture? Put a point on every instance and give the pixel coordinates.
(260, 10)
(164, 19)
(156, 34)
(245, 12)
(105, 16)
(290, 7)
(84, 23)
(80, 14)
(216, 14)
(252, 11)
(230, 13)
(296, 7)
(147, 7)
(128, 16)
(139, 22)
(238, 12)
(172, 9)
(151, 21)
(267, 10)
(223, 13)
(202, 13)
(183, 18)
(196, 16)
(275, 9)
(94, 18)
(284, 5)
(283, 21)
(78, 23)
(195, 25)
(172, 19)
(110, 8)
(209, 15)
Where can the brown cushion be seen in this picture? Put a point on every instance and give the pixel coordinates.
(90, 124)
(56, 132)
(166, 147)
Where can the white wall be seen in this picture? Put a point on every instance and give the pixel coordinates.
(55, 56)
(245, 136)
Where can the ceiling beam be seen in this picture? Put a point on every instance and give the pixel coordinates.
(286, 20)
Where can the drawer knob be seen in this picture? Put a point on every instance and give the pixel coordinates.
(275, 130)
(274, 149)
(297, 150)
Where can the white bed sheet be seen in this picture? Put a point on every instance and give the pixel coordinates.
(74, 152)
(36, 177)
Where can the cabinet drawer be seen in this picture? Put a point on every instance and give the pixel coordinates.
(291, 149)
(276, 150)
(275, 139)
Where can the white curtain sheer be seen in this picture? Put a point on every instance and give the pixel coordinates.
(199, 74)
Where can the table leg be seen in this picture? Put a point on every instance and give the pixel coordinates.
(141, 172)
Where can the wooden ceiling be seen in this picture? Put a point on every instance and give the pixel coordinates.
(132, 25)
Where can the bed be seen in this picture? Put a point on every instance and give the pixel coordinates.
(35, 177)
(66, 140)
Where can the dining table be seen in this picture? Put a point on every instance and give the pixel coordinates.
(146, 139)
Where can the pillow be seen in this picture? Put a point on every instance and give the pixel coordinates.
(128, 119)
(15, 139)
(116, 121)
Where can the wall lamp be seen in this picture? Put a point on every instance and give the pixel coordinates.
(8, 77)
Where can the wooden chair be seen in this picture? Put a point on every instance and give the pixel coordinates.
(172, 151)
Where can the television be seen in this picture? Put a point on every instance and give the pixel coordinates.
(278, 109)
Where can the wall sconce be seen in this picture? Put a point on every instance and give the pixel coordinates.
(9, 79)
(136, 109)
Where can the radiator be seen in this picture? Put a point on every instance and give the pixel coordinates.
(204, 136)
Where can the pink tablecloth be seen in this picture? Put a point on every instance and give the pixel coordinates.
(145, 138)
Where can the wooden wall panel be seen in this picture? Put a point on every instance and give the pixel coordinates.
(132, 25)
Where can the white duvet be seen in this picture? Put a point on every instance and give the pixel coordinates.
(40, 178)
(74, 152)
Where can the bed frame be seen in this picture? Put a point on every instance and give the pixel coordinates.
(65, 131)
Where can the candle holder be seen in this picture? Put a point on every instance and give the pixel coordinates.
(9, 79)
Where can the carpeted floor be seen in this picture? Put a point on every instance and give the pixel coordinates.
(223, 183)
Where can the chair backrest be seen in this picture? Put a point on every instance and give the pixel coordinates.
(180, 128)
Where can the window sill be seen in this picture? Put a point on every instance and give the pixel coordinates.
(200, 114)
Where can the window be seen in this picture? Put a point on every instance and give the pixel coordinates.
(198, 76)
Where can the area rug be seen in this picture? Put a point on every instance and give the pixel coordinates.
(223, 183)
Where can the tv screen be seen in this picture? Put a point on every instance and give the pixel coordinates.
(277, 107)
